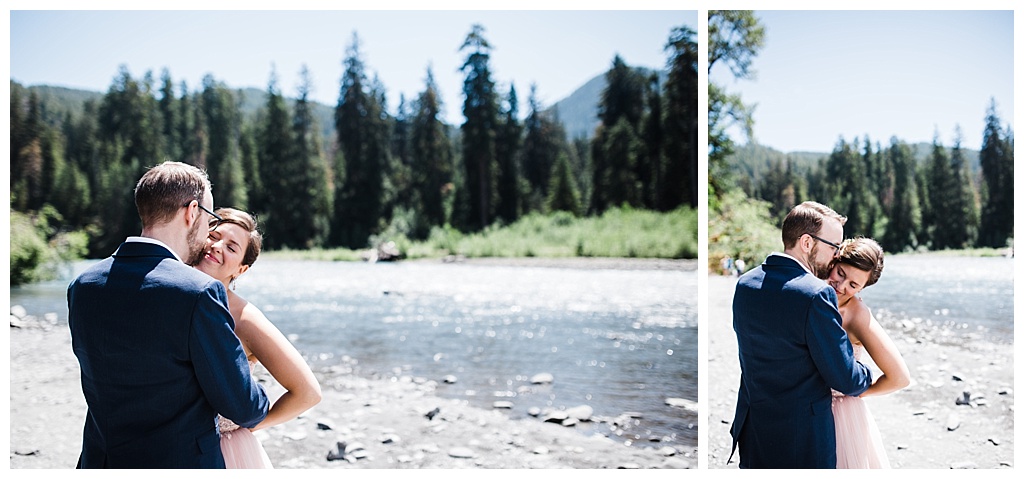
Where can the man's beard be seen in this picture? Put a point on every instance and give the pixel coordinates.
(820, 270)
(196, 246)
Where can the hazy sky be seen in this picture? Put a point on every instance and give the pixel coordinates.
(822, 75)
(557, 50)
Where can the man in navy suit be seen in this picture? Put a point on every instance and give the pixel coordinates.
(792, 348)
(155, 340)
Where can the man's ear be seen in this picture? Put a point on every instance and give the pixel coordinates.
(189, 216)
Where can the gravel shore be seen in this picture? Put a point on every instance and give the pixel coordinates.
(957, 413)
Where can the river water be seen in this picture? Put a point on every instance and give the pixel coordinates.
(620, 341)
(961, 296)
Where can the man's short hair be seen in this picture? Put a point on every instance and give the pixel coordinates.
(167, 187)
(806, 218)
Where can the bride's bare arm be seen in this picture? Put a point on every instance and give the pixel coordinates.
(283, 361)
(895, 374)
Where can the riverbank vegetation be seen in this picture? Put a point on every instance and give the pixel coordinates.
(618, 233)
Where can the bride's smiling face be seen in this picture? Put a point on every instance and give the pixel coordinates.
(225, 249)
(847, 280)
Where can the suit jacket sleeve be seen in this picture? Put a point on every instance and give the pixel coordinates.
(830, 348)
(220, 362)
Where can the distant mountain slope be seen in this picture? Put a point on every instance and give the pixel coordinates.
(578, 111)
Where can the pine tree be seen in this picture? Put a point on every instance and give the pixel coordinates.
(616, 142)
(941, 221)
(479, 131)
(223, 159)
(507, 151)
(996, 157)
(678, 183)
(963, 206)
(905, 218)
(310, 197)
(543, 141)
(363, 156)
(431, 156)
(562, 192)
(276, 146)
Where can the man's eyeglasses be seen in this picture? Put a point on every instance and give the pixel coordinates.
(833, 245)
(214, 221)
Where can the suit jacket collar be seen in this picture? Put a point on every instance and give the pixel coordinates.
(782, 259)
(142, 246)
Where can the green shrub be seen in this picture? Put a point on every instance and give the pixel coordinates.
(39, 251)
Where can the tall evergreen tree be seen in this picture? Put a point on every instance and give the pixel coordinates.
(169, 114)
(431, 156)
(276, 166)
(223, 159)
(507, 149)
(479, 131)
(363, 156)
(963, 205)
(941, 222)
(616, 142)
(678, 183)
(650, 162)
(905, 218)
(311, 197)
(996, 158)
(543, 141)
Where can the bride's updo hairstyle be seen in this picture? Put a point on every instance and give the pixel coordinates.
(864, 254)
(248, 223)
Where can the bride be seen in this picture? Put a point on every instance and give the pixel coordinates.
(858, 264)
(232, 247)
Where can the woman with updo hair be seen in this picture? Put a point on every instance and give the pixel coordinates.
(858, 264)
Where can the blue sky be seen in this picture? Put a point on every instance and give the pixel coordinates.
(910, 74)
(557, 50)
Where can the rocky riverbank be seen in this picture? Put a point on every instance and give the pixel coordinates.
(957, 413)
(386, 423)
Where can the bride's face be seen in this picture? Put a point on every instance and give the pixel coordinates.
(847, 280)
(225, 249)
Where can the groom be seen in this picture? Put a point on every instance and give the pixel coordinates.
(792, 349)
(155, 341)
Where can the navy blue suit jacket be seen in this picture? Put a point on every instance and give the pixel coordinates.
(159, 360)
(793, 352)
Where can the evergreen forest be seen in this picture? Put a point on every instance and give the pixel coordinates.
(383, 169)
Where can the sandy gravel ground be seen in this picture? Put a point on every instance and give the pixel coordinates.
(922, 426)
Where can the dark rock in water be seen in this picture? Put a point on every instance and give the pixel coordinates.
(556, 417)
(503, 405)
(994, 440)
(965, 399)
(26, 452)
(533, 411)
(433, 412)
(338, 454)
(324, 425)
(631, 465)
(449, 379)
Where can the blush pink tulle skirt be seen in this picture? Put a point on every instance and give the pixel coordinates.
(858, 442)
(242, 450)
